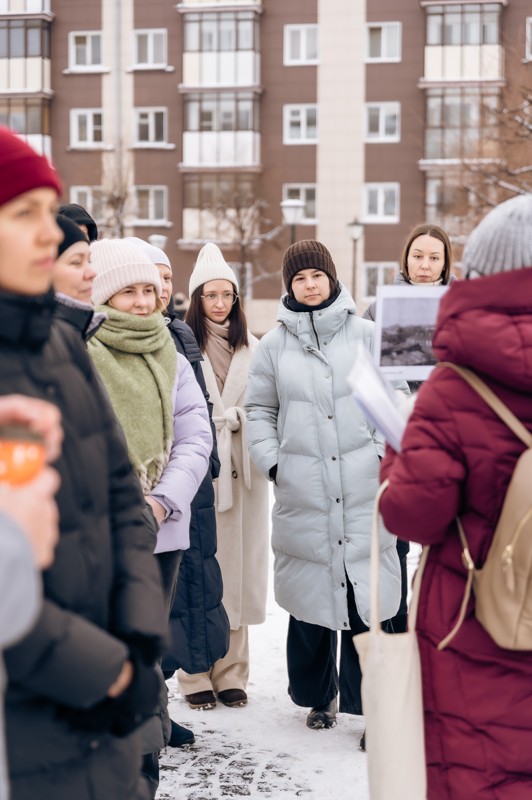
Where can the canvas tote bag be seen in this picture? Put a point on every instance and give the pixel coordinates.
(391, 694)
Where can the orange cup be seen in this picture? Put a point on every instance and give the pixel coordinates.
(22, 454)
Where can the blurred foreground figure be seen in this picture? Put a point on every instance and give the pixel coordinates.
(457, 459)
(82, 678)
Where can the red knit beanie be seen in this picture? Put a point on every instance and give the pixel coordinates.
(22, 169)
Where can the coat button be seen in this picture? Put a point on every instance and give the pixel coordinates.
(50, 390)
(340, 542)
(334, 458)
(346, 625)
(330, 416)
(338, 500)
(234, 473)
(94, 744)
(342, 585)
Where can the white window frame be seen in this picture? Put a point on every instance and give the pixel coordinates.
(384, 109)
(75, 142)
(528, 39)
(302, 187)
(88, 202)
(301, 108)
(151, 63)
(151, 220)
(151, 111)
(385, 26)
(72, 66)
(380, 218)
(303, 60)
(381, 267)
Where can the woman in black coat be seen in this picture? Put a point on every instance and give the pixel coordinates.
(82, 679)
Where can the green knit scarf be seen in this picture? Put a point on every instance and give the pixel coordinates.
(137, 361)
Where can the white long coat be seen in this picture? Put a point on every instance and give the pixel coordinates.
(242, 513)
(303, 418)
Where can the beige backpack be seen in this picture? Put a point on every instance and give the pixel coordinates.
(503, 586)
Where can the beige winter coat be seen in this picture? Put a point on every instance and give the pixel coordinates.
(242, 511)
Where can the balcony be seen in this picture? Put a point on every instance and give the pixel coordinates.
(444, 63)
(221, 149)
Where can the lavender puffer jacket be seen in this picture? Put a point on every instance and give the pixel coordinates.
(189, 460)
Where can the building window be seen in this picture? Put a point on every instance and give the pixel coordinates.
(24, 38)
(528, 45)
(150, 126)
(305, 192)
(150, 48)
(300, 45)
(383, 41)
(472, 23)
(221, 31)
(209, 191)
(26, 116)
(377, 274)
(223, 111)
(300, 124)
(86, 127)
(383, 122)
(381, 203)
(91, 198)
(461, 123)
(84, 50)
(25, 6)
(151, 204)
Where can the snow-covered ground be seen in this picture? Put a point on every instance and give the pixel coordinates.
(263, 750)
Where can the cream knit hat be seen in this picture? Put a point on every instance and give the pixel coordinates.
(119, 264)
(210, 266)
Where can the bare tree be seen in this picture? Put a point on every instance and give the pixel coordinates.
(242, 223)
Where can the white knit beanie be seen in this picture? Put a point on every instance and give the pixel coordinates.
(210, 266)
(502, 241)
(119, 264)
(155, 254)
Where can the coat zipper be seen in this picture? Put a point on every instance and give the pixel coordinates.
(314, 329)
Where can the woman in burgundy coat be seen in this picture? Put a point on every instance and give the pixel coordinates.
(457, 459)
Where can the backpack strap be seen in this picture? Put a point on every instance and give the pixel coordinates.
(517, 427)
(494, 402)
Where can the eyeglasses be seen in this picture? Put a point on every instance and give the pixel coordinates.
(226, 297)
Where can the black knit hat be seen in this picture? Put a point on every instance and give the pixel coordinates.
(80, 216)
(307, 254)
(71, 233)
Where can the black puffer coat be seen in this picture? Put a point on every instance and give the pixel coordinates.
(199, 626)
(103, 588)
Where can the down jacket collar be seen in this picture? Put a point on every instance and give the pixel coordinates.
(326, 322)
(486, 324)
(25, 320)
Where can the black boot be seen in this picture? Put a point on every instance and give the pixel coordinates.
(180, 735)
(323, 716)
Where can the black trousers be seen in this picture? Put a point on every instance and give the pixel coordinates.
(311, 652)
(169, 568)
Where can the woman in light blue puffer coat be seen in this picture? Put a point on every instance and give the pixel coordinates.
(307, 434)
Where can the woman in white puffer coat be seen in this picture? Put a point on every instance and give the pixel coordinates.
(307, 434)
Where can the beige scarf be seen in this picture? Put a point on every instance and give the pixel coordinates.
(219, 350)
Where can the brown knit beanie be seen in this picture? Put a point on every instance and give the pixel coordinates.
(307, 254)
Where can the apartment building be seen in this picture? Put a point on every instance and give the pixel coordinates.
(191, 121)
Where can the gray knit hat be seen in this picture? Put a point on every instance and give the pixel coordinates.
(307, 254)
(119, 264)
(210, 266)
(502, 241)
(155, 254)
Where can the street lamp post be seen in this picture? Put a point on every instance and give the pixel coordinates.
(355, 230)
(293, 212)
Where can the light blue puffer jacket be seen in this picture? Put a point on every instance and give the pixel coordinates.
(303, 418)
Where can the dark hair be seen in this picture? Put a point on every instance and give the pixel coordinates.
(238, 329)
(437, 233)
